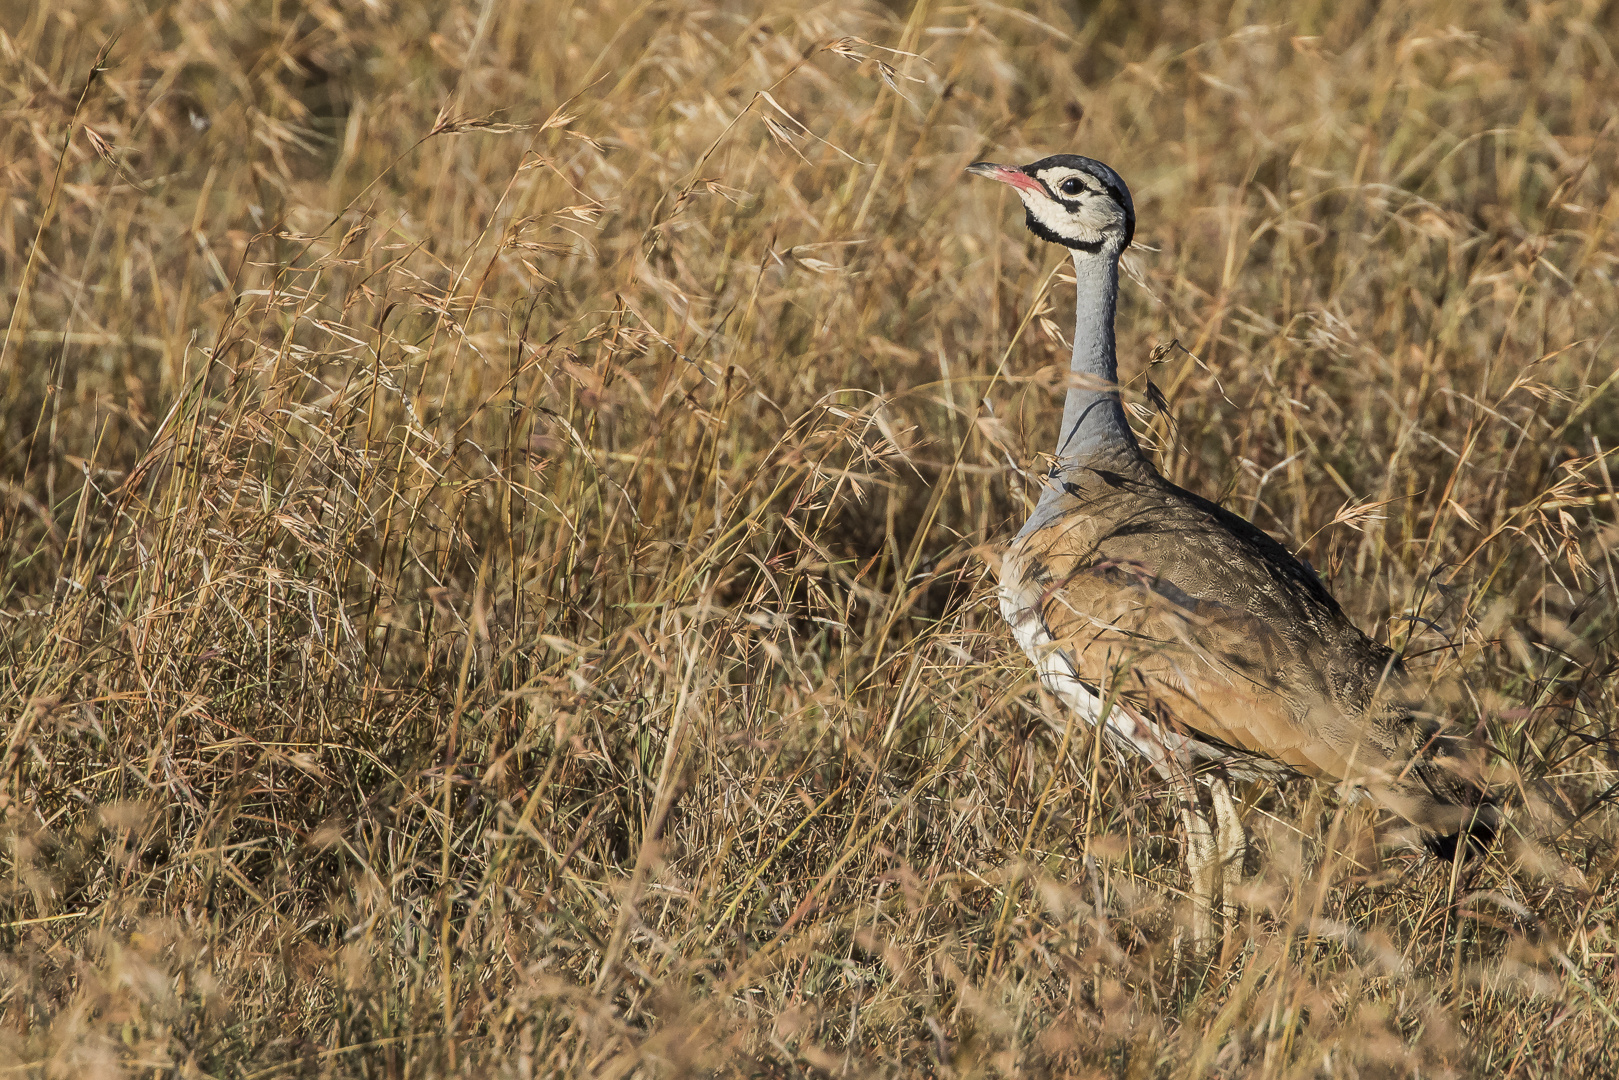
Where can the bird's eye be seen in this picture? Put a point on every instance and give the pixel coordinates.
(1071, 186)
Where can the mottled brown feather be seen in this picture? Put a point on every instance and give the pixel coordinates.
(1192, 618)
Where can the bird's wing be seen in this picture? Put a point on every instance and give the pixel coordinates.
(1220, 673)
(1202, 619)
(1195, 618)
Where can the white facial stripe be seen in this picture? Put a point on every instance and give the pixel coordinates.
(1060, 220)
(1082, 219)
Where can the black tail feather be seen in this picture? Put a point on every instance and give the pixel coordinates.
(1470, 841)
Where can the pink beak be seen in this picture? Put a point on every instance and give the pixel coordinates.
(1006, 174)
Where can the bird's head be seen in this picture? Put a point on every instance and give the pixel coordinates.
(1071, 200)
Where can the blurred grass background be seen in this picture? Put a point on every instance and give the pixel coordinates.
(499, 502)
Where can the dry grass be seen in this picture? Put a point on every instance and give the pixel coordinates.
(498, 503)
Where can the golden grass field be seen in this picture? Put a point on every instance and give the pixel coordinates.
(499, 505)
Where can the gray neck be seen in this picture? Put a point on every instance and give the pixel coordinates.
(1093, 425)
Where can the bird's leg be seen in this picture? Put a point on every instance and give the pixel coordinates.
(1202, 862)
(1231, 843)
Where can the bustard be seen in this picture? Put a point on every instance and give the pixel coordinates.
(1199, 641)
